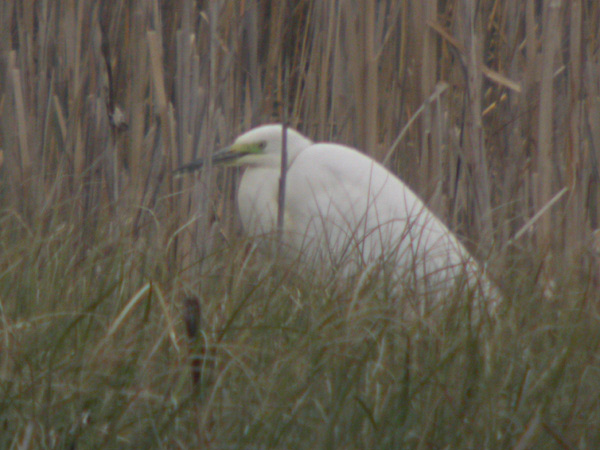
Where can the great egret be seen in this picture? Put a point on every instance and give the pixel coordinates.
(344, 208)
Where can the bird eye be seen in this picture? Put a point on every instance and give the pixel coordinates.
(262, 145)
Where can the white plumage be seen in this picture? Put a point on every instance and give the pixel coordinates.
(344, 209)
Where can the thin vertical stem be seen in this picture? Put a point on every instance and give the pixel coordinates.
(283, 175)
(370, 73)
(544, 163)
(473, 47)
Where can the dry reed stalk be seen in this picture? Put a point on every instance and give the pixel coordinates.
(283, 166)
(254, 73)
(353, 43)
(163, 158)
(591, 178)
(163, 106)
(272, 61)
(140, 159)
(6, 35)
(299, 101)
(477, 155)
(186, 78)
(431, 155)
(158, 82)
(22, 132)
(575, 213)
(531, 43)
(327, 13)
(371, 75)
(529, 101)
(76, 14)
(551, 32)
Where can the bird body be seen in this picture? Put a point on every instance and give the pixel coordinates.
(344, 209)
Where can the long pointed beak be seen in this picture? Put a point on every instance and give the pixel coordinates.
(223, 156)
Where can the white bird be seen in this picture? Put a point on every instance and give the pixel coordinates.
(345, 209)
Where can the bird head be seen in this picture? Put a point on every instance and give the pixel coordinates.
(259, 147)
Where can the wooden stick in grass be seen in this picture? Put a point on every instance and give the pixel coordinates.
(192, 317)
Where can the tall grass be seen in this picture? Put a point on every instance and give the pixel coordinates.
(99, 101)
